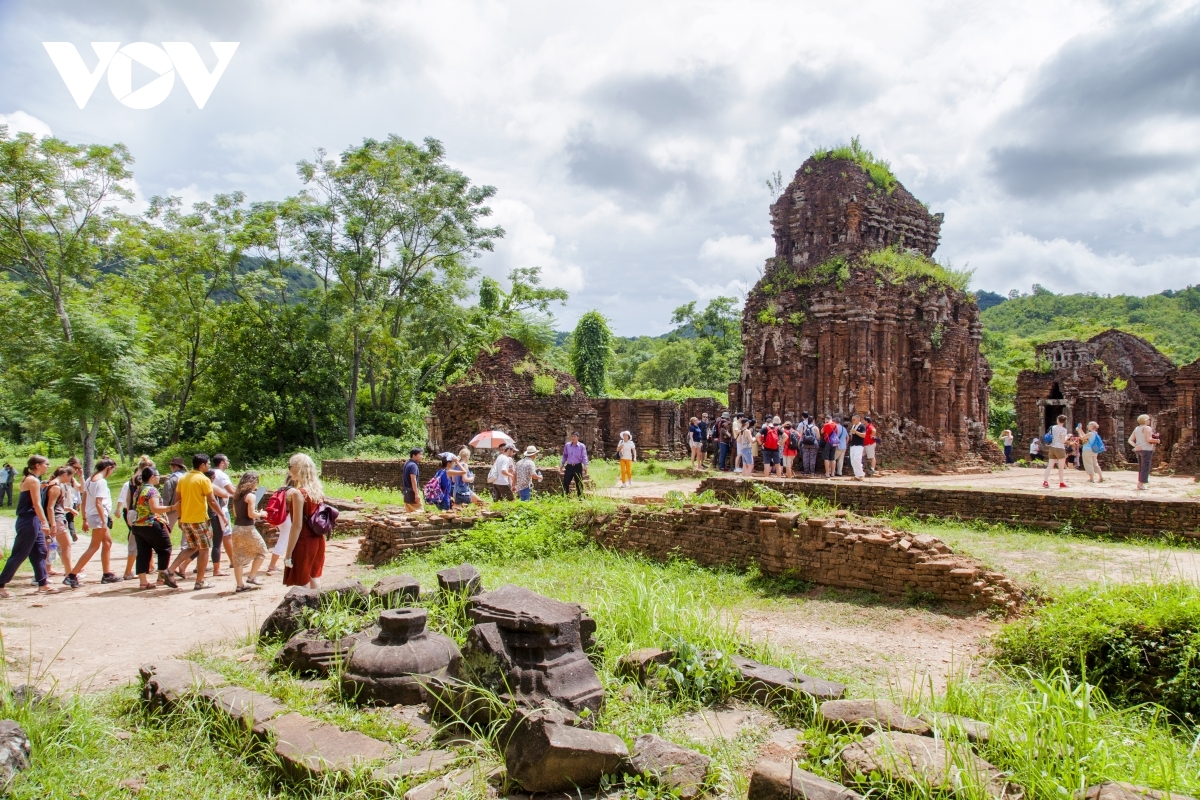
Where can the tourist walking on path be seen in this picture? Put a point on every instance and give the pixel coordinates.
(166, 491)
(575, 464)
(74, 498)
(1143, 439)
(525, 473)
(30, 541)
(462, 480)
(1056, 452)
(503, 473)
(627, 454)
(7, 476)
(829, 438)
(858, 440)
(745, 446)
(223, 490)
(57, 506)
(810, 444)
(97, 520)
(769, 440)
(696, 443)
(1006, 439)
(150, 531)
(1092, 447)
(305, 560)
(410, 482)
(247, 542)
(869, 442)
(843, 443)
(791, 447)
(125, 513)
(438, 492)
(196, 501)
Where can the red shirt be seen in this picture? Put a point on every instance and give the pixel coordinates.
(828, 430)
(787, 441)
(870, 437)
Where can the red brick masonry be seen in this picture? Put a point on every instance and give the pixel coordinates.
(1050, 511)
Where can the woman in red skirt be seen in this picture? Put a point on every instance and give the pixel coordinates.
(306, 549)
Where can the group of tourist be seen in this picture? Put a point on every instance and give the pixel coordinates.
(1081, 449)
(210, 511)
(785, 448)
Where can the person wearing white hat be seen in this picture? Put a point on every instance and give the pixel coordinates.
(627, 453)
(525, 473)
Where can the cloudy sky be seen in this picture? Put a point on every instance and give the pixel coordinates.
(630, 141)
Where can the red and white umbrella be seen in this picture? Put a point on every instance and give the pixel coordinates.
(492, 439)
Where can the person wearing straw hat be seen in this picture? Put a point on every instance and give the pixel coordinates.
(627, 453)
(525, 473)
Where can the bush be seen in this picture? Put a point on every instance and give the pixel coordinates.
(1139, 643)
(543, 385)
(551, 526)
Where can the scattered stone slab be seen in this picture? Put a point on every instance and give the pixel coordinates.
(709, 725)
(766, 683)
(396, 590)
(133, 785)
(872, 714)
(309, 748)
(456, 783)
(164, 683)
(424, 763)
(416, 719)
(394, 667)
(15, 751)
(640, 664)
(463, 580)
(545, 752)
(972, 729)
(926, 763)
(783, 780)
(284, 622)
(1119, 790)
(247, 707)
(784, 745)
(26, 695)
(309, 653)
(348, 591)
(529, 650)
(675, 767)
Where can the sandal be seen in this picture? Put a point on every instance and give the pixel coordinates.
(165, 579)
(249, 587)
(5, 594)
(47, 589)
(202, 585)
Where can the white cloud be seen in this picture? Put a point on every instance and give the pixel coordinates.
(528, 244)
(741, 251)
(20, 122)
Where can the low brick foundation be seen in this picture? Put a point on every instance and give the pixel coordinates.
(389, 535)
(1050, 511)
(830, 552)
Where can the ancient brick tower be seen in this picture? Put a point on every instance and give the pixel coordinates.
(827, 331)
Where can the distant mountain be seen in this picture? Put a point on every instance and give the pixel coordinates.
(986, 300)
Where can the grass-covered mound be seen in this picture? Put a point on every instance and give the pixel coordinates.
(1140, 643)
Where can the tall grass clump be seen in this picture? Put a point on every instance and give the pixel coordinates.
(1140, 643)
(551, 526)
(899, 264)
(878, 170)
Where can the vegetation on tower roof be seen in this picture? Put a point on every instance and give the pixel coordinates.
(898, 265)
(878, 170)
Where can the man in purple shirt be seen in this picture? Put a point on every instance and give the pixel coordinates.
(574, 464)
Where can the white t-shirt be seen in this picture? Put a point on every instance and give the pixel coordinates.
(221, 480)
(1007, 439)
(503, 464)
(98, 488)
(1035, 446)
(1141, 438)
(625, 450)
(1059, 437)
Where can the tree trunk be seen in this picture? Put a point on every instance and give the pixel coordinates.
(128, 430)
(352, 394)
(117, 440)
(312, 424)
(63, 318)
(89, 445)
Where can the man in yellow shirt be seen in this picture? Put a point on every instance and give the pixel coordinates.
(195, 495)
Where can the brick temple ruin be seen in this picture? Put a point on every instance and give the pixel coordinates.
(825, 332)
(1111, 379)
(498, 393)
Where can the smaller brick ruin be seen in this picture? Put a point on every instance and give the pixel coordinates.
(498, 393)
(1111, 379)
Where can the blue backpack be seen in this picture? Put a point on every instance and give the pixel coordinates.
(1097, 445)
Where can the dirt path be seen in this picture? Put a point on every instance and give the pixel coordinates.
(97, 636)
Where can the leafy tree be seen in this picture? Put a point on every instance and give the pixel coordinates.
(55, 229)
(671, 367)
(591, 353)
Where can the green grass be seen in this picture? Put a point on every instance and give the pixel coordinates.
(899, 266)
(878, 170)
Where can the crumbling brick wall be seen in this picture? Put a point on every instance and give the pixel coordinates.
(1119, 517)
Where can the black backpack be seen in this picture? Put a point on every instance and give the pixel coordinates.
(793, 441)
(810, 434)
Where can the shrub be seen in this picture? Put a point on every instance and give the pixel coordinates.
(543, 385)
(527, 530)
(1139, 643)
(878, 170)
(898, 265)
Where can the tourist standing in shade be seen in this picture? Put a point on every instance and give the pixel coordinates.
(410, 481)
(858, 439)
(7, 476)
(97, 517)
(627, 454)
(150, 531)
(869, 442)
(842, 437)
(810, 444)
(30, 541)
(1091, 448)
(305, 561)
(1056, 453)
(575, 464)
(1143, 440)
(525, 473)
(1006, 439)
(247, 543)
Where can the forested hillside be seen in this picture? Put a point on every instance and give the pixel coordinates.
(1011, 329)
